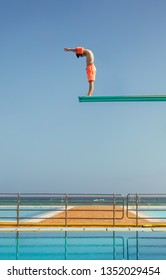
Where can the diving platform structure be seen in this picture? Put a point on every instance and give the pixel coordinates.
(123, 98)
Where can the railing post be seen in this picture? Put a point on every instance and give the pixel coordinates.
(127, 205)
(114, 209)
(66, 210)
(136, 209)
(18, 208)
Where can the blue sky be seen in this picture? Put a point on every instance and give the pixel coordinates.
(52, 143)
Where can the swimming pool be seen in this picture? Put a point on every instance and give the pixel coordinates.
(10, 213)
(83, 246)
(156, 214)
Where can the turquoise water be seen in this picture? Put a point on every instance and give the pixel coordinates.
(11, 214)
(83, 246)
(156, 214)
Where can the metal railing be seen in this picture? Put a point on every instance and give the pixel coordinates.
(147, 209)
(61, 209)
(82, 210)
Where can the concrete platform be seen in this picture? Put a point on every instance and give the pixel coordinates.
(82, 229)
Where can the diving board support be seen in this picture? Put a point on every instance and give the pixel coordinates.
(122, 98)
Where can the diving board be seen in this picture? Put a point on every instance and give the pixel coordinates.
(122, 98)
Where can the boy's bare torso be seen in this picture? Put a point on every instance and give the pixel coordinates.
(89, 57)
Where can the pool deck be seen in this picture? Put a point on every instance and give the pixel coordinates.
(87, 218)
(82, 229)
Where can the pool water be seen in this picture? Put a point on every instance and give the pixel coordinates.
(11, 214)
(156, 214)
(83, 246)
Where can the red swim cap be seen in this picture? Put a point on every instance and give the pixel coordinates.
(79, 50)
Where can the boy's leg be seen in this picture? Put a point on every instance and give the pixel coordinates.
(91, 88)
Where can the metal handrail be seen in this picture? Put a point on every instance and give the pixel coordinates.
(68, 207)
(18, 209)
(53, 209)
(141, 207)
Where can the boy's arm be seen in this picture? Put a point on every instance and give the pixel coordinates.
(69, 50)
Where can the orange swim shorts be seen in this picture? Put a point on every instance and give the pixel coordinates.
(91, 72)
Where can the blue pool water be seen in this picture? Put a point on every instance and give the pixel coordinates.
(6, 214)
(156, 214)
(83, 246)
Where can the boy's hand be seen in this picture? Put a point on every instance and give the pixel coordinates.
(66, 49)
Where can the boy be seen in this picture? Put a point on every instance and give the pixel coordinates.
(90, 67)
